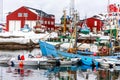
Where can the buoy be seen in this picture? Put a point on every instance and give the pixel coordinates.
(22, 57)
(104, 50)
(94, 54)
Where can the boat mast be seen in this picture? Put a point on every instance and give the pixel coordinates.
(74, 19)
(110, 41)
(64, 27)
(72, 7)
(75, 28)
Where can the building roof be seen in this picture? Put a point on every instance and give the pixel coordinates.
(40, 12)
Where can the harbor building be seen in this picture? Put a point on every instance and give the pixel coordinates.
(26, 15)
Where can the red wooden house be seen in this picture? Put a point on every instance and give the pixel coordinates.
(93, 24)
(26, 15)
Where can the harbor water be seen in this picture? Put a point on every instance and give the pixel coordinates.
(72, 72)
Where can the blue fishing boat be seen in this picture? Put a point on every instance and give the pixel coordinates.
(50, 50)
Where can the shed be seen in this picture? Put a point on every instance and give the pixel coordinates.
(93, 23)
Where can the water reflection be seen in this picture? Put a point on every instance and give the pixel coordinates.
(81, 73)
(70, 72)
(108, 75)
(19, 72)
(52, 72)
(58, 73)
(24, 73)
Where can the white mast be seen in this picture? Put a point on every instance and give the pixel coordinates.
(1, 10)
(72, 7)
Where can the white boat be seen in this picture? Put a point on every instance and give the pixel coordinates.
(105, 63)
(28, 61)
(109, 62)
(116, 63)
(70, 62)
(63, 62)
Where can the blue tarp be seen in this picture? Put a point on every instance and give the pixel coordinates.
(50, 50)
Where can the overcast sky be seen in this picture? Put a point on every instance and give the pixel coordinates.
(84, 7)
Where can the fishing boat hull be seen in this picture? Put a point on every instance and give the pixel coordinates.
(104, 63)
(50, 50)
(27, 62)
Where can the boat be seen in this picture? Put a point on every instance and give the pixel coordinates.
(109, 62)
(39, 28)
(104, 63)
(41, 61)
(26, 28)
(27, 61)
(50, 50)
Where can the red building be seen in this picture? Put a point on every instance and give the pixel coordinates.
(93, 23)
(26, 15)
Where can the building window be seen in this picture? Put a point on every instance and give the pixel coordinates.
(95, 23)
(45, 22)
(52, 23)
(48, 22)
(25, 14)
(52, 28)
(41, 21)
(19, 14)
